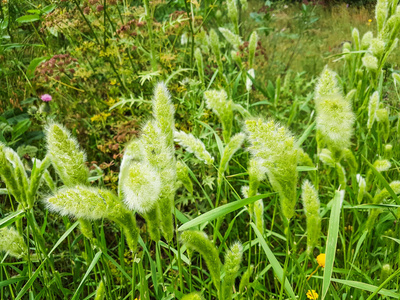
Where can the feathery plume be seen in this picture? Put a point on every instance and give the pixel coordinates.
(12, 243)
(335, 117)
(193, 145)
(218, 102)
(274, 146)
(230, 149)
(197, 240)
(252, 48)
(311, 208)
(373, 106)
(233, 258)
(66, 156)
(232, 38)
(141, 187)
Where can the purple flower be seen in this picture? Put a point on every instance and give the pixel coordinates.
(46, 97)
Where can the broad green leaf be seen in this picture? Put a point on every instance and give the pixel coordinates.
(28, 19)
(30, 71)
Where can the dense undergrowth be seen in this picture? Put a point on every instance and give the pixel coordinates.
(199, 150)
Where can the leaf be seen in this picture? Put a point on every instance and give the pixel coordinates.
(92, 264)
(331, 241)
(49, 8)
(28, 19)
(274, 262)
(11, 218)
(222, 211)
(30, 72)
(365, 286)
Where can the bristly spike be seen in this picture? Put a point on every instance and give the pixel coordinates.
(66, 156)
(141, 187)
(197, 240)
(273, 146)
(233, 259)
(311, 208)
(163, 112)
(12, 243)
(193, 145)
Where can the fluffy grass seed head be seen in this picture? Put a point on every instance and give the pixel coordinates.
(273, 146)
(381, 13)
(335, 117)
(218, 102)
(198, 241)
(141, 187)
(373, 106)
(214, 43)
(252, 48)
(370, 62)
(377, 47)
(232, 38)
(356, 37)
(157, 150)
(311, 207)
(366, 40)
(233, 258)
(362, 184)
(193, 145)
(230, 149)
(233, 12)
(163, 111)
(200, 66)
(12, 243)
(192, 296)
(66, 156)
(327, 84)
(382, 165)
(249, 82)
(83, 202)
(182, 172)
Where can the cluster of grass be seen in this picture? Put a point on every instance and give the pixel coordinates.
(210, 150)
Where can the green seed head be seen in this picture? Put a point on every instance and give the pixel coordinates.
(193, 145)
(66, 156)
(141, 187)
(366, 40)
(12, 243)
(232, 38)
(370, 62)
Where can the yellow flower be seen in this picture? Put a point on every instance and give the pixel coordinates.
(321, 260)
(369, 21)
(100, 117)
(312, 294)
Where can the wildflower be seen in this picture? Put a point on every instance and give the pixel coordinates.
(369, 22)
(312, 294)
(46, 98)
(321, 260)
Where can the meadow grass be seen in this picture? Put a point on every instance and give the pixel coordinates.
(231, 176)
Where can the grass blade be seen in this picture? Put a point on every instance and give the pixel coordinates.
(274, 262)
(92, 264)
(222, 211)
(331, 241)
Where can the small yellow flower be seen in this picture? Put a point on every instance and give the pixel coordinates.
(312, 294)
(369, 21)
(321, 260)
